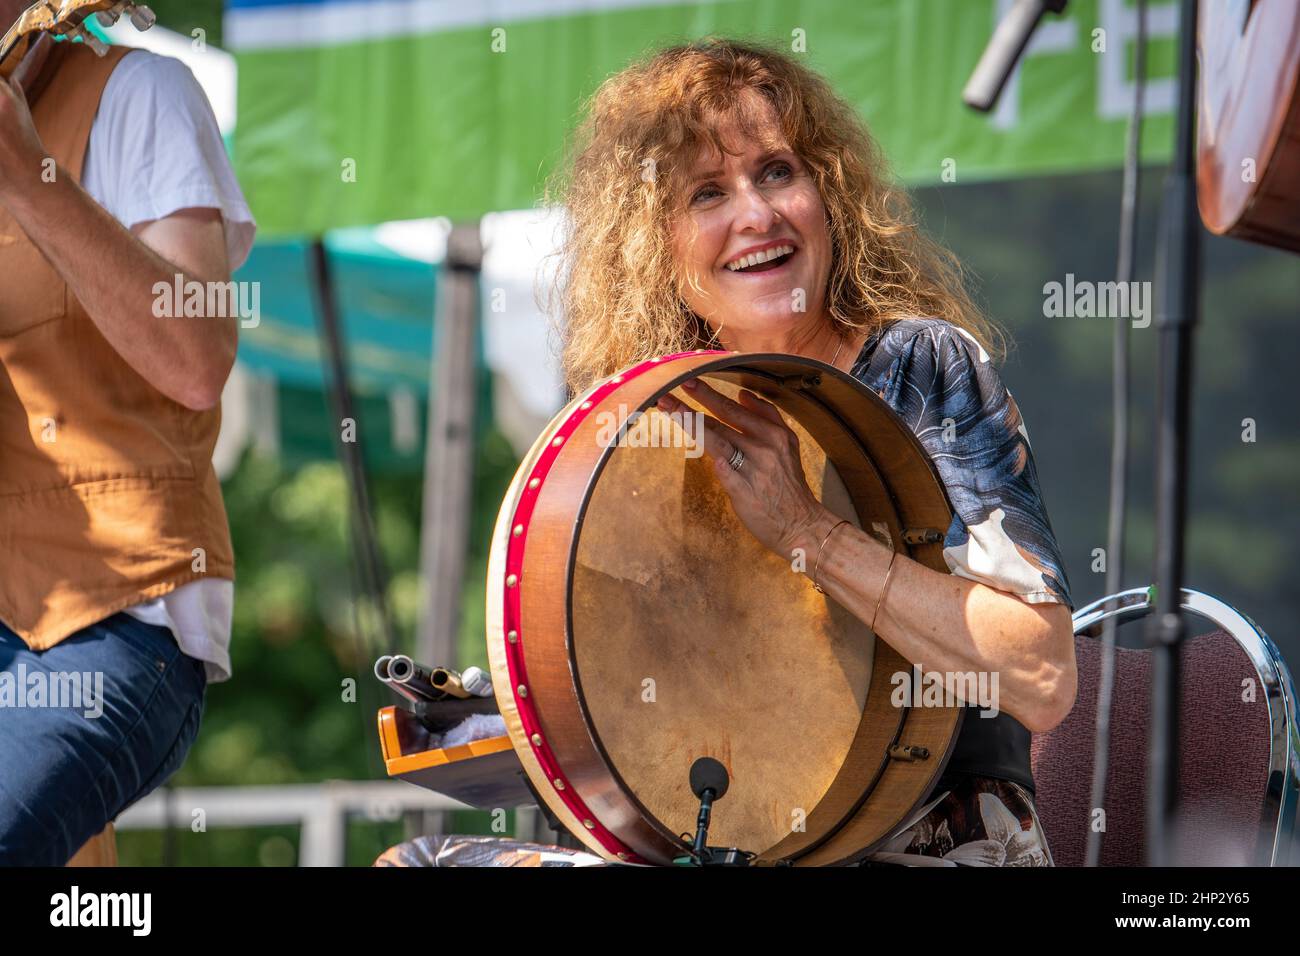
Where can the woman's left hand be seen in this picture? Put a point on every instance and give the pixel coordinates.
(768, 492)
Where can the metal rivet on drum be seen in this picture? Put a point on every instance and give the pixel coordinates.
(617, 379)
(588, 824)
(585, 405)
(621, 855)
(523, 690)
(559, 784)
(511, 580)
(533, 483)
(536, 739)
(557, 441)
(513, 637)
(519, 529)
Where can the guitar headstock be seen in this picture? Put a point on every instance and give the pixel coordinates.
(66, 18)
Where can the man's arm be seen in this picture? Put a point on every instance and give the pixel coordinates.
(112, 271)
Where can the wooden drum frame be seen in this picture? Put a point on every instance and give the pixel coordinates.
(634, 625)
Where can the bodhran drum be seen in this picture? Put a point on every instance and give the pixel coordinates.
(635, 625)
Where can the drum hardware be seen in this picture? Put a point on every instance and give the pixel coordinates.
(800, 382)
(922, 535)
(909, 752)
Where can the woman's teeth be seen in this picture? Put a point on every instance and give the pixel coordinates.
(758, 258)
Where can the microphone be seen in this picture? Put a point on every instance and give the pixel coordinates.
(709, 774)
(709, 782)
(1003, 51)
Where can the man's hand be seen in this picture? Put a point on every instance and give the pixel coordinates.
(22, 154)
(113, 271)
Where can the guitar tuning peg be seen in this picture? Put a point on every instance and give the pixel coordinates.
(88, 38)
(107, 17)
(142, 18)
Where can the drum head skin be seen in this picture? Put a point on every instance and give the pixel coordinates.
(635, 624)
(694, 640)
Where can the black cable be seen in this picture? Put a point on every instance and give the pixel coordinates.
(1124, 269)
(366, 568)
(350, 453)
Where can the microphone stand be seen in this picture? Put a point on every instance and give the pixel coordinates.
(710, 781)
(1178, 284)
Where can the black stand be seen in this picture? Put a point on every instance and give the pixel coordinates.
(1177, 289)
(1177, 284)
(373, 584)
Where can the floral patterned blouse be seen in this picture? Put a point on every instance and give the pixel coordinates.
(938, 378)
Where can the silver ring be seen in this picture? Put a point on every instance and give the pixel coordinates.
(737, 459)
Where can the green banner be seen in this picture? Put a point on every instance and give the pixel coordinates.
(361, 111)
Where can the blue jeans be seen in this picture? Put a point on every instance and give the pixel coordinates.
(106, 716)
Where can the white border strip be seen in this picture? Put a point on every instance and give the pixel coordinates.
(295, 25)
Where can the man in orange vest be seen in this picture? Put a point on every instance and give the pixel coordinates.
(116, 582)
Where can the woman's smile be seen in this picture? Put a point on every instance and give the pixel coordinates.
(770, 259)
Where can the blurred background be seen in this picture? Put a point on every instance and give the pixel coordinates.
(369, 129)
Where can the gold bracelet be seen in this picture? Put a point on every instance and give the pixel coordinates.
(818, 566)
(883, 588)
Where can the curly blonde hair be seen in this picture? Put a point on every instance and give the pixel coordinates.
(618, 288)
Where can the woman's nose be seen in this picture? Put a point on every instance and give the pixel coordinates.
(754, 210)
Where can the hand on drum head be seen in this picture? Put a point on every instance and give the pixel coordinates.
(768, 490)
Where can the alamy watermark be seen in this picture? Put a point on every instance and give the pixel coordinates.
(77, 690)
(915, 688)
(182, 298)
(664, 430)
(1101, 300)
(133, 911)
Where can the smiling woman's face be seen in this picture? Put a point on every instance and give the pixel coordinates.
(762, 201)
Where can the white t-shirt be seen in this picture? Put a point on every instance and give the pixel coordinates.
(155, 148)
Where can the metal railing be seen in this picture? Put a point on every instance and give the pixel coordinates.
(322, 810)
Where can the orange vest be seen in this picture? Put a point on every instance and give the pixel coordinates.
(108, 497)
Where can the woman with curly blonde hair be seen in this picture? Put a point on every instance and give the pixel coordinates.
(721, 195)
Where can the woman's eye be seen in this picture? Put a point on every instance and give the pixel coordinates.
(704, 192)
(781, 166)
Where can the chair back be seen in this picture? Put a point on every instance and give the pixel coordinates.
(1239, 753)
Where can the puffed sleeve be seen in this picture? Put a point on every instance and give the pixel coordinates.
(941, 382)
